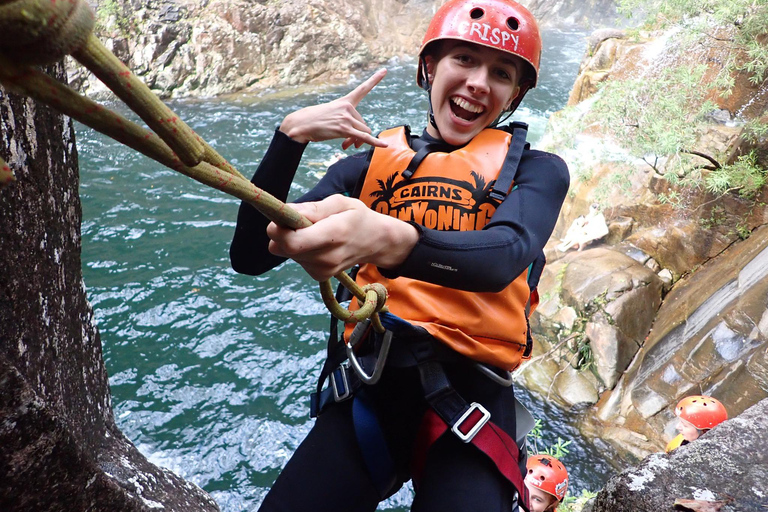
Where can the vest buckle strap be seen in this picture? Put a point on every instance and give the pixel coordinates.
(340, 383)
(469, 415)
(497, 195)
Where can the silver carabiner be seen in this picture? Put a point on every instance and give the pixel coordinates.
(381, 360)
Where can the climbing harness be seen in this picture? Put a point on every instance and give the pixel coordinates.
(37, 32)
(347, 369)
(447, 411)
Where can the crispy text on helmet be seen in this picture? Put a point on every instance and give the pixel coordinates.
(485, 32)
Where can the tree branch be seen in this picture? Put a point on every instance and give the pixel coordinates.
(716, 198)
(714, 162)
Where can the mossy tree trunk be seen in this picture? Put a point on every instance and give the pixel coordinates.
(59, 446)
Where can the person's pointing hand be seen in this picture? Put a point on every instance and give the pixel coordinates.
(336, 119)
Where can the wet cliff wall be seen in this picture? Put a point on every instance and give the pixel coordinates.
(205, 48)
(672, 301)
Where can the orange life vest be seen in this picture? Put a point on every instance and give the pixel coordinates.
(449, 192)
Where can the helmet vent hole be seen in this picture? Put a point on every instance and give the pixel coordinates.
(476, 13)
(513, 24)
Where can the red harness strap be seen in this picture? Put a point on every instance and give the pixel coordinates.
(489, 439)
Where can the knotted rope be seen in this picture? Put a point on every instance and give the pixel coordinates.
(36, 32)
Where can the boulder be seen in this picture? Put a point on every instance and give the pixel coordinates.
(724, 470)
(609, 298)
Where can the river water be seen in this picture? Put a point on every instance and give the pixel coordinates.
(210, 371)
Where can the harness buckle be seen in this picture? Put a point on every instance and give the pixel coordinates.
(340, 385)
(485, 416)
(505, 380)
(497, 195)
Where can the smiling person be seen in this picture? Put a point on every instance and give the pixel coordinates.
(695, 415)
(453, 222)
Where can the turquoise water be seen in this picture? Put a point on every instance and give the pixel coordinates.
(210, 370)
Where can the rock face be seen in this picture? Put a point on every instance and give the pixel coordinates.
(194, 47)
(59, 446)
(205, 48)
(589, 13)
(725, 467)
(602, 301)
(709, 337)
(697, 325)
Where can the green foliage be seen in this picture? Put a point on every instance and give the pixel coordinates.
(586, 357)
(749, 17)
(575, 503)
(557, 450)
(743, 231)
(744, 175)
(717, 217)
(108, 9)
(658, 119)
(755, 131)
(653, 119)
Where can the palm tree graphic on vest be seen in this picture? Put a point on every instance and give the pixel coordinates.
(436, 202)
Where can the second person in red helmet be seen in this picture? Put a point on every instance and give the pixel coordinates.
(453, 222)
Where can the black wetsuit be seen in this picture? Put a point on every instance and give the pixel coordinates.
(328, 471)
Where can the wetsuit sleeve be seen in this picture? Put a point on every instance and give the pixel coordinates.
(489, 259)
(248, 252)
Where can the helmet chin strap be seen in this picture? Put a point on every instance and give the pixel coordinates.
(428, 87)
(501, 119)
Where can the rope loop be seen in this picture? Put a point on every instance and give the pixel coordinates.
(372, 299)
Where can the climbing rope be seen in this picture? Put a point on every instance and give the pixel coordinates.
(37, 32)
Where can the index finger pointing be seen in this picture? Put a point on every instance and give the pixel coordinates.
(362, 90)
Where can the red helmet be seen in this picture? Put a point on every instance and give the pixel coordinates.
(501, 24)
(548, 474)
(703, 412)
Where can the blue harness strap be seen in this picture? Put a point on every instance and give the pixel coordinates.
(373, 444)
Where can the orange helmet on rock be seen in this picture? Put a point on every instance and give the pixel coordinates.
(703, 412)
(501, 24)
(548, 474)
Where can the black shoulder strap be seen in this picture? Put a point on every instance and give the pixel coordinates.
(417, 159)
(509, 168)
(422, 153)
